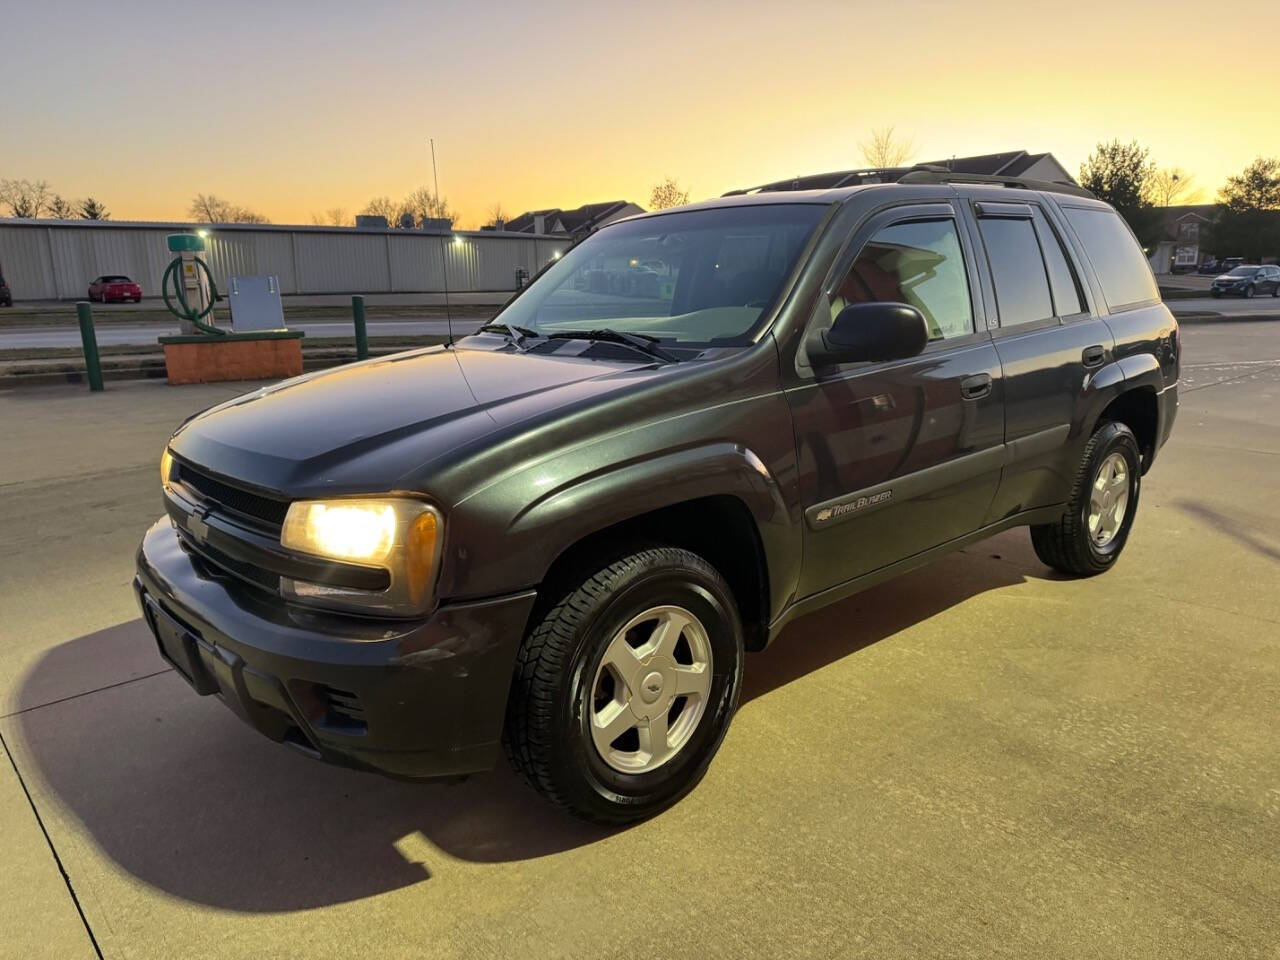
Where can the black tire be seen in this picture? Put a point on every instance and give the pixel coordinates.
(1066, 544)
(1215, 294)
(1248, 292)
(547, 735)
(1275, 289)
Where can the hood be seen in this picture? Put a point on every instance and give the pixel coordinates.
(362, 427)
(1227, 278)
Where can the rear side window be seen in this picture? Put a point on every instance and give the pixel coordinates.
(1119, 263)
(1022, 287)
(1066, 294)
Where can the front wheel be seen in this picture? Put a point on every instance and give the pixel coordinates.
(625, 687)
(1248, 292)
(1094, 527)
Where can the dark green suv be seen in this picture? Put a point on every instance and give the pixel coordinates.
(560, 535)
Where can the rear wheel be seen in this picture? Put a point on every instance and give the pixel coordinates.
(1094, 528)
(625, 687)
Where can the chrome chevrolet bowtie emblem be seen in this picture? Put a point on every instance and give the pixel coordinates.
(197, 527)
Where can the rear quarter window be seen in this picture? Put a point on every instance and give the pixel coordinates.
(1118, 261)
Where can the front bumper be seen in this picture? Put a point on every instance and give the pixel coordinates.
(418, 699)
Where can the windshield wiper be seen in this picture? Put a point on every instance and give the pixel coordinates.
(514, 333)
(640, 341)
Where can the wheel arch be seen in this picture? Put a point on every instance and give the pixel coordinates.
(719, 528)
(1137, 407)
(719, 501)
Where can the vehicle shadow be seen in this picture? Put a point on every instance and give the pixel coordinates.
(1231, 527)
(185, 797)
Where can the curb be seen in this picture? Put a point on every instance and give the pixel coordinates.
(1202, 317)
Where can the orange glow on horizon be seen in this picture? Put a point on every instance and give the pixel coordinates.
(560, 105)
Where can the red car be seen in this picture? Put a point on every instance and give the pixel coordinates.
(115, 289)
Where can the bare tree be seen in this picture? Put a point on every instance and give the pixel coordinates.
(422, 204)
(497, 216)
(667, 194)
(209, 208)
(1167, 186)
(337, 217)
(24, 198)
(245, 215)
(91, 209)
(383, 207)
(61, 209)
(884, 149)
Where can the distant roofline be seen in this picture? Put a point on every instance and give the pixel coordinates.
(179, 226)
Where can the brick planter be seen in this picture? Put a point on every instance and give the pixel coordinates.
(270, 354)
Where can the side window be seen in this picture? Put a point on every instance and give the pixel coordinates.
(1022, 286)
(1122, 269)
(1062, 279)
(918, 263)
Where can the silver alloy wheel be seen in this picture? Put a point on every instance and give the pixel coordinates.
(649, 682)
(1108, 499)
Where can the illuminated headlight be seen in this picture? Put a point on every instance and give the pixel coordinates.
(399, 535)
(166, 468)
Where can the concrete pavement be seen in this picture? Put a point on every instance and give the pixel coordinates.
(24, 338)
(1228, 306)
(978, 759)
(335, 301)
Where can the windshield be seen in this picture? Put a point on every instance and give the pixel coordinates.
(695, 278)
(1242, 272)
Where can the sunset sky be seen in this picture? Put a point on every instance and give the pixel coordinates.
(294, 108)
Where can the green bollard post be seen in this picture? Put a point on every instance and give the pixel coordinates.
(90, 340)
(362, 337)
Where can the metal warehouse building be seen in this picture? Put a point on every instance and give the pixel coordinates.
(56, 259)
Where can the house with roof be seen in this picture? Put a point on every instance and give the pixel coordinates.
(575, 223)
(1014, 163)
(1182, 246)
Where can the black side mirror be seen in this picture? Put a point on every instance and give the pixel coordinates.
(870, 331)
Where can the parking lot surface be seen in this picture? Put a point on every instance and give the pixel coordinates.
(978, 759)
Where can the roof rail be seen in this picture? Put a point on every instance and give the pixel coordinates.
(942, 175)
(920, 173)
(826, 181)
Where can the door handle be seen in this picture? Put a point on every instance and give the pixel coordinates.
(975, 387)
(1093, 356)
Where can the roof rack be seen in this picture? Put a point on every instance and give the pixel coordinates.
(827, 181)
(923, 174)
(920, 173)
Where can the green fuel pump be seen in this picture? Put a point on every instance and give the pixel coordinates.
(192, 284)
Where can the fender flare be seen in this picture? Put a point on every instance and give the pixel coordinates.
(560, 516)
(1137, 370)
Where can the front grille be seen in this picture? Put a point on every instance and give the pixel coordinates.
(255, 506)
(219, 560)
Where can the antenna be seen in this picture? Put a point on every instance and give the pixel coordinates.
(444, 266)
